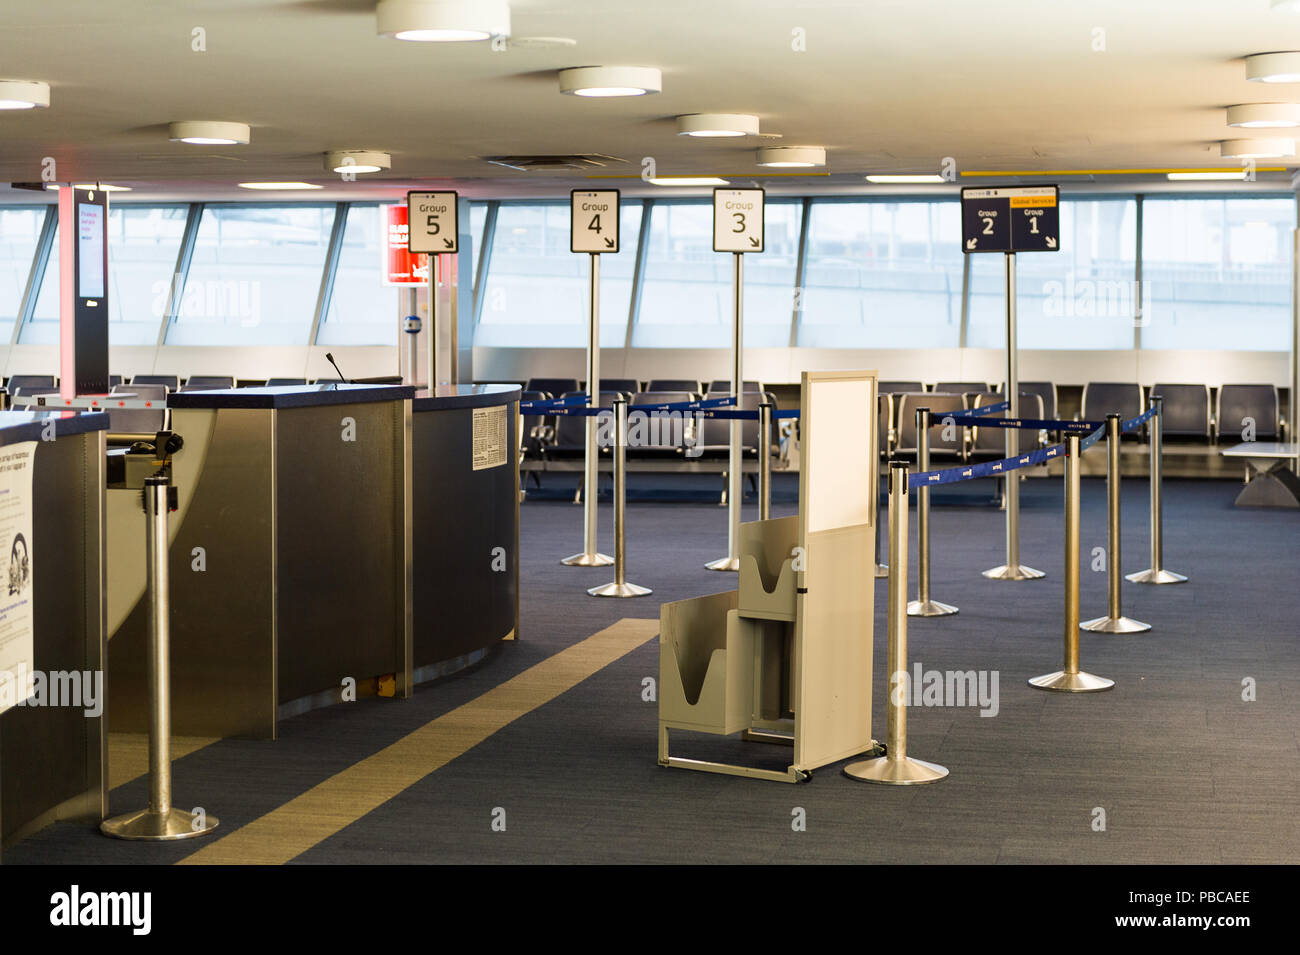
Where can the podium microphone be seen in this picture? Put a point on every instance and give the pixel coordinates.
(330, 359)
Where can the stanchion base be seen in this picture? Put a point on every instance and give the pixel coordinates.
(615, 589)
(1072, 682)
(929, 608)
(1115, 625)
(882, 570)
(724, 563)
(892, 771)
(588, 560)
(1156, 577)
(149, 826)
(1013, 572)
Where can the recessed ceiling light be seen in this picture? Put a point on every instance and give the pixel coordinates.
(906, 180)
(1288, 5)
(1209, 176)
(1273, 67)
(541, 42)
(443, 21)
(1257, 148)
(1264, 115)
(357, 160)
(24, 94)
(203, 133)
(610, 81)
(711, 125)
(791, 156)
(688, 181)
(278, 185)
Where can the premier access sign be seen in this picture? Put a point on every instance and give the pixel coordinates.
(1011, 219)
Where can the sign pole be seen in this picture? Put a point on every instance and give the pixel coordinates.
(590, 557)
(735, 460)
(431, 344)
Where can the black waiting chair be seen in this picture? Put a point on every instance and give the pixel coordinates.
(961, 387)
(899, 387)
(628, 386)
(170, 382)
(1101, 398)
(722, 386)
(1237, 403)
(990, 443)
(657, 435)
(940, 405)
(139, 420)
(570, 437)
(284, 382)
(552, 386)
(1046, 391)
(691, 385)
(31, 384)
(885, 423)
(1185, 410)
(209, 383)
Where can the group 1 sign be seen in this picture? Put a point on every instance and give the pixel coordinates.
(1011, 219)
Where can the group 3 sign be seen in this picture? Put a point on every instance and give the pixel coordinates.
(1011, 219)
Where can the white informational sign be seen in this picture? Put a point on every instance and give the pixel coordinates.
(738, 220)
(431, 218)
(593, 220)
(491, 437)
(90, 250)
(17, 646)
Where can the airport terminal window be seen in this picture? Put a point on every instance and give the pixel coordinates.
(1218, 273)
(883, 275)
(687, 298)
(20, 228)
(1082, 297)
(536, 294)
(362, 310)
(255, 275)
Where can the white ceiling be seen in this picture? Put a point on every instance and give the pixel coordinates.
(884, 85)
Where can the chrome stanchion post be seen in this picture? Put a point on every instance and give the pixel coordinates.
(590, 557)
(896, 768)
(882, 570)
(923, 606)
(764, 460)
(160, 821)
(1114, 621)
(620, 587)
(735, 486)
(1156, 574)
(1071, 679)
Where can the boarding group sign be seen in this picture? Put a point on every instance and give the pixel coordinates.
(1011, 219)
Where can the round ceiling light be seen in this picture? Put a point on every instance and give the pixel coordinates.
(1264, 115)
(712, 125)
(209, 134)
(24, 94)
(443, 21)
(1273, 67)
(1257, 148)
(781, 157)
(610, 81)
(357, 160)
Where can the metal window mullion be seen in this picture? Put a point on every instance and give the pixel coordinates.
(180, 275)
(329, 271)
(485, 256)
(36, 275)
(800, 269)
(638, 276)
(1138, 316)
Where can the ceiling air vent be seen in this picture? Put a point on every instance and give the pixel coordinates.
(576, 163)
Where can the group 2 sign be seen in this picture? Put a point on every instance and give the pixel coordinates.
(1011, 219)
(593, 220)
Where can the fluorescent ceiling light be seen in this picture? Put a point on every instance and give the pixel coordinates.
(203, 133)
(1204, 176)
(1273, 67)
(1288, 5)
(443, 21)
(906, 180)
(24, 94)
(1264, 115)
(709, 125)
(610, 81)
(100, 186)
(791, 156)
(357, 160)
(688, 181)
(1257, 148)
(278, 185)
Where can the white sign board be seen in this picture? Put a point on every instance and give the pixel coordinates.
(738, 220)
(17, 646)
(431, 222)
(593, 220)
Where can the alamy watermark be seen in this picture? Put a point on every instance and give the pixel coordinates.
(924, 687)
(82, 689)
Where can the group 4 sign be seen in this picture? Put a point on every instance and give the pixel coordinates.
(593, 220)
(1011, 219)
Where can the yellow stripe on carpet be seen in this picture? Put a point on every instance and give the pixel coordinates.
(345, 797)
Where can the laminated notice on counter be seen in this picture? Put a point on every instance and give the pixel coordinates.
(491, 435)
(17, 645)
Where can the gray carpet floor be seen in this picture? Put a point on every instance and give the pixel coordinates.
(1184, 769)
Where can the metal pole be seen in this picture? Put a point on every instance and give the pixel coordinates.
(1114, 621)
(1012, 569)
(432, 344)
(923, 606)
(1156, 574)
(873, 485)
(1071, 679)
(453, 327)
(764, 460)
(160, 821)
(735, 461)
(412, 326)
(620, 587)
(896, 767)
(590, 557)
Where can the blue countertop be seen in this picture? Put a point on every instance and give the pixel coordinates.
(290, 396)
(447, 397)
(16, 426)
